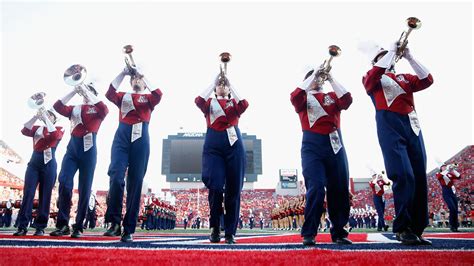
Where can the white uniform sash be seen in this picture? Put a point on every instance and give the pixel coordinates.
(215, 112)
(314, 109)
(391, 89)
(414, 123)
(76, 117)
(127, 104)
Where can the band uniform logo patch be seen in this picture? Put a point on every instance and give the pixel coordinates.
(91, 110)
(328, 100)
(228, 104)
(142, 99)
(401, 78)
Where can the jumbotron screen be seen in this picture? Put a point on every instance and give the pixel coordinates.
(182, 157)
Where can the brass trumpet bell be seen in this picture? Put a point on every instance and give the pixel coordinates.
(127, 49)
(334, 50)
(225, 57)
(75, 75)
(36, 100)
(413, 23)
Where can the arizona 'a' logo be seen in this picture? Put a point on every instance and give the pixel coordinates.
(328, 100)
(142, 99)
(91, 110)
(229, 104)
(401, 78)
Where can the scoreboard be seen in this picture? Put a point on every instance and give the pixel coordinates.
(288, 178)
(182, 157)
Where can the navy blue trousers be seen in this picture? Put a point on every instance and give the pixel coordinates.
(133, 155)
(149, 222)
(91, 219)
(76, 159)
(44, 176)
(405, 162)
(452, 202)
(223, 170)
(380, 208)
(322, 168)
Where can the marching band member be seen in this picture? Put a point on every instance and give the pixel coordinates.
(223, 155)
(401, 139)
(130, 149)
(323, 155)
(91, 216)
(446, 176)
(41, 171)
(81, 154)
(302, 205)
(377, 185)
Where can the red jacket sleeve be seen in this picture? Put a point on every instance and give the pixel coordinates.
(298, 99)
(439, 176)
(202, 104)
(417, 84)
(372, 79)
(103, 109)
(63, 109)
(241, 106)
(113, 96)
(29, 132)
(344, 102)
(154, 98)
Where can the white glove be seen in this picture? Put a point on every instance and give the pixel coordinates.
(421, 71)
(337, 87)
(393, 46)
(235, 94)
(306, 84)
(48, 122)
(207, 92)
(456, 173)
(68, 96)
(118, 80)
(91, 97)
(148, 84)
(125, 71)
(407, 54)
(29, 124)
(387, 60)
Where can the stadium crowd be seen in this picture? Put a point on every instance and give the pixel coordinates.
(258, 205)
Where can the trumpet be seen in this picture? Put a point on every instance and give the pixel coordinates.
(132, 67)
(326, 67)
(75, 76)
(453, 166)
(413, 23)
(36, 102)
(225, 58)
